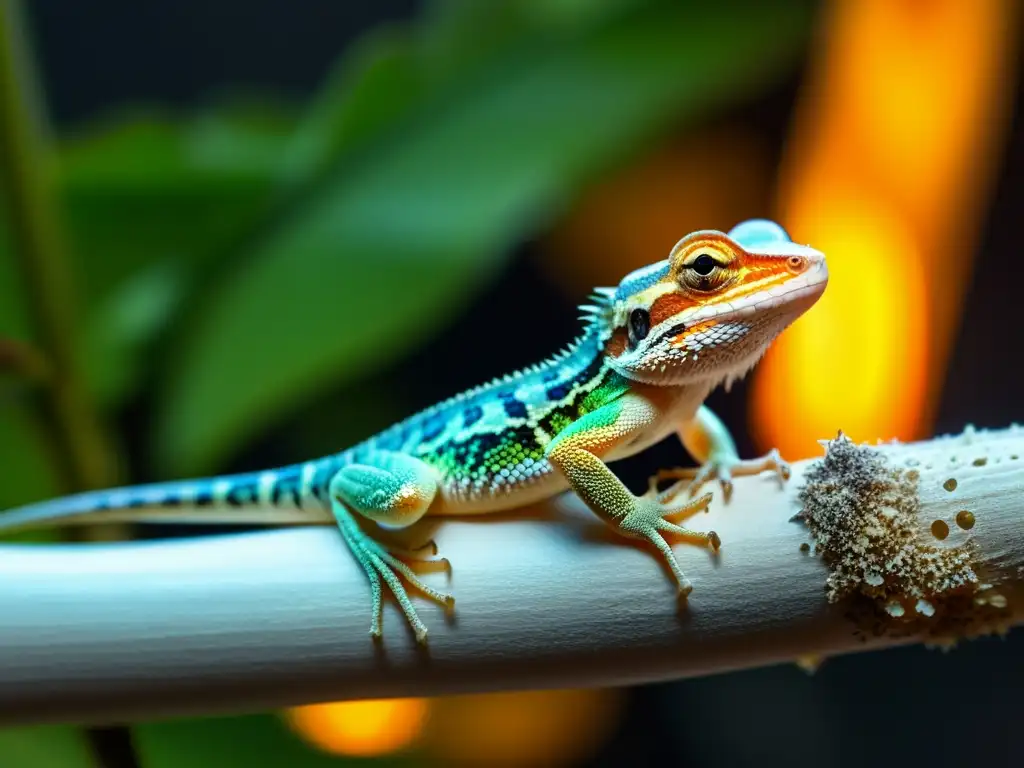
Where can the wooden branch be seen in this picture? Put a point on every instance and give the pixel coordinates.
(110, 632)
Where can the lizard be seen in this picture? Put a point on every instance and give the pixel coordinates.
(650, 351)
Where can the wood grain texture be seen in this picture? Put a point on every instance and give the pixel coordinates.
(109, 632)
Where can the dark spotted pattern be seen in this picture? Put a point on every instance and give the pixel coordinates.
(434, 426)
(514, 408)
(390, 440)
(559, 391)
(242, 492)
(287, 489)
(481, 457)
(325, 471)
(471, 415)
(557, 419)
(484, 459)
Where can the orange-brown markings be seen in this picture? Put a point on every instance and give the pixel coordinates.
(670, 305)
(693, 330)
(409, 498)
(757, 274)
(616, 345)
(757, 278)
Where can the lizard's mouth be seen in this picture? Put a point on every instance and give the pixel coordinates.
(673, 334)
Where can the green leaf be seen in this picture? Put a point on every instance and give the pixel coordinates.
(121, 328)
(144, 187)
(256, 741)
(395, 242)
(47, 746)
(379, 80)
(146, 197)
(393, 71)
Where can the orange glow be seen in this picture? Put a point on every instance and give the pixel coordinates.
(929, 71)
(361, 728)
(890, 164)
(864, 341)
(707, 179)
(536, 728)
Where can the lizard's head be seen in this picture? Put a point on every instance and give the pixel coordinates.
(711, 309)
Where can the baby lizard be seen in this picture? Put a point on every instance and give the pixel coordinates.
(650, 351)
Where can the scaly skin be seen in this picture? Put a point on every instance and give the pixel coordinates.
(651, 351)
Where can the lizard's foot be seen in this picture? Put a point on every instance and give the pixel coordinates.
(379, 563)
(724, 466)
(394, 490)
(651, 517)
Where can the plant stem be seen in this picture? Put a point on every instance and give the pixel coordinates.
(27, 176)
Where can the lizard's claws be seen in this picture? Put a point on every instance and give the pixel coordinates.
(651, 518)
(724, 467)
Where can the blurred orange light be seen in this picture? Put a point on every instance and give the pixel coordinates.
(860, 353)
(709, 178)
(888, 169)
(361, 728)
(535, 728)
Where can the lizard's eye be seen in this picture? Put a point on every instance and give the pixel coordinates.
(639, 326)
(704, 264)
(704, 273)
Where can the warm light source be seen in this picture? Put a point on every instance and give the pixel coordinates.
(361, 728)
(535, 728)
(709, 178)
(859, 359)
(888, 169)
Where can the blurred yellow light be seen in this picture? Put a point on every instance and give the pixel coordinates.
(860, 353)
(920, 73)
(361, 728)
(892, 155)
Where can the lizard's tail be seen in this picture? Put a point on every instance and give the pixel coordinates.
(290, 495)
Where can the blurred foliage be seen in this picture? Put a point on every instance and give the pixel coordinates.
(392, 240)
(251, 741)
(234, 263)
(44, 746)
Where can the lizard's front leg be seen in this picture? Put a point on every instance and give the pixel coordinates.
(708, 440)
(576, 453)
(394, 490)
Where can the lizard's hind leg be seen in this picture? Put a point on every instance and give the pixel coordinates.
(394, 490)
